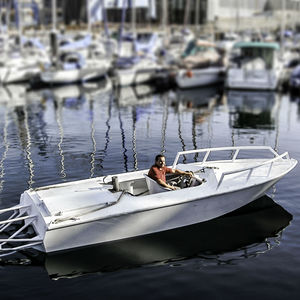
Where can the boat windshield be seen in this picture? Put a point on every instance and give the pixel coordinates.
(265, 53)
(193, 49)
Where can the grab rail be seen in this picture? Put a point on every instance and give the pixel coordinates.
(236, 150)
(209, 150)
(250, 169)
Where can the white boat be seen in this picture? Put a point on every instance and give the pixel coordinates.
(176, 44)
(136, 70)
(216, 236)
(200, 77)
(21, 66)
(257, 68)
(72, 67)
(115, 207)
(202, 64)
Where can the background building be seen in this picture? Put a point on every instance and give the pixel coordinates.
(219, 14)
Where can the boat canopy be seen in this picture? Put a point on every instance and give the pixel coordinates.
(274, 46)
(198, 46)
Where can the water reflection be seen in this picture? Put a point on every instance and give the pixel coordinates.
(200, 104)
(250, 109)
(13, 95)
(295, 97)
(73, 96)
(246, 229)
(4, 150)
(134, 102)
(58, 117)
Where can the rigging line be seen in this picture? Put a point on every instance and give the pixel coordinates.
(6, 147)
(76, 217)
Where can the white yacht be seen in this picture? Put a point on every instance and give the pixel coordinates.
(257, 67)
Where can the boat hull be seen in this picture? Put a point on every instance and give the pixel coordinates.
(252, 79)
(150, 221)
(200, 77)
(71, 76)
(15, 75)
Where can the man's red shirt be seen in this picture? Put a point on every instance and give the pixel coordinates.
(159, 173)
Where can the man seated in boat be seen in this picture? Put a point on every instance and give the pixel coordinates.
(159, 170)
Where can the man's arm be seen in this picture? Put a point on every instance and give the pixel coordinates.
(176, 171)
(161, 182)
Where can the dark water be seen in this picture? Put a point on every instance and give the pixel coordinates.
(69, 133)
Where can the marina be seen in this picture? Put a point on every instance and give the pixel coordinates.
(90, 94)
(59, 135)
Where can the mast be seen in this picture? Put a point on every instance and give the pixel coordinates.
(282, 27)
(122, 25)
(164, 15)
(53, 15)
(133, 17)
(197, 21)
(88, 10)
(187, 13)
(237, 20)
(104, 16)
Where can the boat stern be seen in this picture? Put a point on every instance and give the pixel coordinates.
(22, 226)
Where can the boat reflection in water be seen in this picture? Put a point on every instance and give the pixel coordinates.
(250, 109)
(134, 95)
(74, 95)
(199, 100)
(248, 229)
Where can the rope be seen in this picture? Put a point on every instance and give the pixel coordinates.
(74, 218)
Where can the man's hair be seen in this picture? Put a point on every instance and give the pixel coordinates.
(158, 156)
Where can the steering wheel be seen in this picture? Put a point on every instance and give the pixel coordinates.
(185, 181)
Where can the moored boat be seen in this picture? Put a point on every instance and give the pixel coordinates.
(258, 67)
(115, 207)
(202, 64)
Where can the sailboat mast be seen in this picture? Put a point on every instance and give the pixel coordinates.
(53, 15)
(19, 16)
(164, 15)
(133, 17)
(197, 21)
(88, 10)
(282, 27)
(187, 13)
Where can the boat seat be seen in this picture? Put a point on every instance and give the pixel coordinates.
(153, 186)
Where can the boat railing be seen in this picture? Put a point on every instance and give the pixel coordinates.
(236, 150)
(19, 214)
(250, 169)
